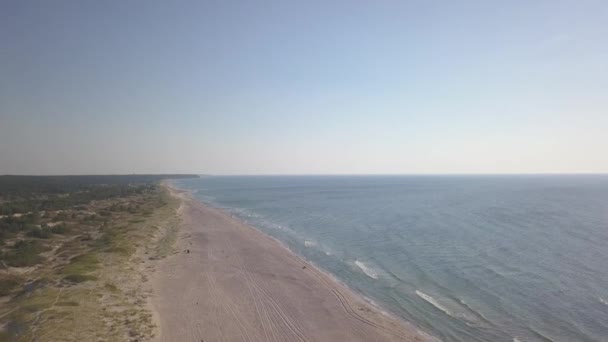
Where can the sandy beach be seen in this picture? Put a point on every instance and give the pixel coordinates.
(229, 282)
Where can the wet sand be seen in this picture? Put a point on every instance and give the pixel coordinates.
(237, 284)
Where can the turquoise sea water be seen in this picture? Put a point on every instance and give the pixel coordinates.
(466, 258)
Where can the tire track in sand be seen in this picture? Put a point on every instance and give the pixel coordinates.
(345, 303)
(231, 309)
(276, 309)
(262, 313)
(214, 303)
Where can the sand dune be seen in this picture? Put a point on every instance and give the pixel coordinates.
(237, 284)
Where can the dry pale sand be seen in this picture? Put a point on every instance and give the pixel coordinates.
(237, 284)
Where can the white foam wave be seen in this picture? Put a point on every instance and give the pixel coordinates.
(474, 311)
(515, 339)
(310, 243)
(366, 269)
(433, 302)
(603, 301)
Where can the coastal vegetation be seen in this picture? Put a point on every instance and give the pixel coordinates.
(75, 254)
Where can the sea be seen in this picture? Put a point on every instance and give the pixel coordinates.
(464, 258)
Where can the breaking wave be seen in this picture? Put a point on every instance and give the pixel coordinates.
(433, 302)
(366, 269)
(310, 243)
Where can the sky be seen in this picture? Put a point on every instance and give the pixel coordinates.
(303, 87)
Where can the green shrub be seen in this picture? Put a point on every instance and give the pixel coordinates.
(8, 284)
(60, 229)
(111, 287)
(39, 233)
(24, 253)
(61, 216)
(5, 336)
(84, 263)
(86, 237)
(79, 278)
(122, 250)
(68, 303)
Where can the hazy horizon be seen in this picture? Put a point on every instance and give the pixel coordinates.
(317, 174)
(276, 88)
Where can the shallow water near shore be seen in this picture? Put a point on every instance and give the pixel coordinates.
(467, 258)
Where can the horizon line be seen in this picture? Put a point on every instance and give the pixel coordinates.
(310, 174)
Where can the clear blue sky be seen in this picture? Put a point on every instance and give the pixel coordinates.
(284, 87)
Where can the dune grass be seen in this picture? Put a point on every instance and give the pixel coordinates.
(87, 284)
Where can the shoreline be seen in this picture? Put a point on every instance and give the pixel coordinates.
(230, 281)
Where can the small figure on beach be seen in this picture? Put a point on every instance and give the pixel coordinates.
(187, 251)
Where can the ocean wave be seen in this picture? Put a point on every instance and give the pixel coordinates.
(452, 308)
(477, 313)
(433, 302)
(603, 301)
(316, 245)
(310, 243)
(540, 335)
(241, 213)
(366, 269)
